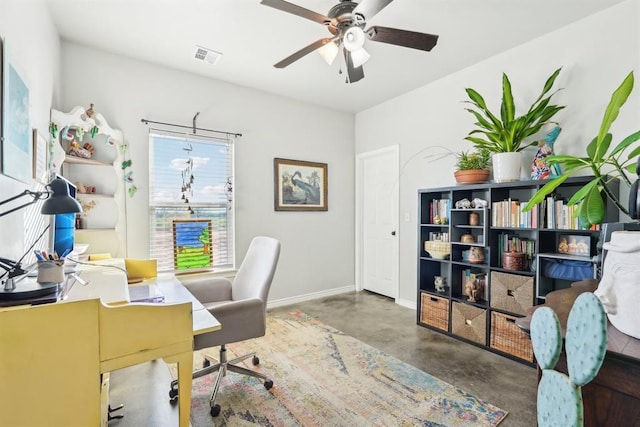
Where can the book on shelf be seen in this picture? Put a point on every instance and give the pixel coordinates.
(439, 208)
(510, 213)
(508, 242)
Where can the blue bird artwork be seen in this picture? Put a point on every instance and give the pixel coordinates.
(311, 193)
(540, 168)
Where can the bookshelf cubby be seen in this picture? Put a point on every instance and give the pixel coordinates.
(499, 226)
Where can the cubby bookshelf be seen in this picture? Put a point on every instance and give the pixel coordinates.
(488, 320)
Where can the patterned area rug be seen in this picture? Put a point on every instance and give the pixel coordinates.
(323, 377)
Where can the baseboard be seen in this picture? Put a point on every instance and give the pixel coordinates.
(407, 303)
(308, 297)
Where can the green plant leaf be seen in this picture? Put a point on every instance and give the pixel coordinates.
(592, 147)
(634, 153)
(592, 207)
(482, 122)
(626, 142)
(507, 108)
(618, 98)
(476, 98)
(546, 189)
(582, 193)
(602, 148)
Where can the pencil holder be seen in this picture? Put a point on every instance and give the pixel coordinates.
(51, 271)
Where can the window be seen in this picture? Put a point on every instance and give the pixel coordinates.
(190, 178)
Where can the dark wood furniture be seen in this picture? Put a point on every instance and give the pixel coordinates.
(613, 397)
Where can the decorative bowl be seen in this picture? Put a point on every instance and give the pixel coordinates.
(437, 249)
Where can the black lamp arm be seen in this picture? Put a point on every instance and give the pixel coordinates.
(37, 195)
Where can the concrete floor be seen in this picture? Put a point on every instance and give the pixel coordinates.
(379, 322)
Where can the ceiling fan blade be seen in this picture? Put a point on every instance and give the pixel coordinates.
(404, 38)
(355, 73)
(297, 10)
(368, 8)
(302, 52)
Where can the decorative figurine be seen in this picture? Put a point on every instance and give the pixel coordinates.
(463, 204)
(440, 282)
(540, 169)
(478, 203)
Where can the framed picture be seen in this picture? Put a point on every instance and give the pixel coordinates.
(299, 185)
(40, 157)
(192, 244)
(16, 142)
(574, 244)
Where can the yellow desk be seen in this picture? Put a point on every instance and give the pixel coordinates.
(52, 356)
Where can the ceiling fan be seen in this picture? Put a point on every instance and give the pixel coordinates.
(346, 22)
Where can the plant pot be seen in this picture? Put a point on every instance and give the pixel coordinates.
(473, 176)
(506, 166)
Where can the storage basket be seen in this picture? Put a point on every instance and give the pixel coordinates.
(513, 260)
(434, 311)
(469, 322)
(511, 292)
(508, 338)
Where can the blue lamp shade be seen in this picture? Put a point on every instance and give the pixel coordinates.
(60, 202)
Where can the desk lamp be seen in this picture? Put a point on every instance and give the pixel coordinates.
(56, 201)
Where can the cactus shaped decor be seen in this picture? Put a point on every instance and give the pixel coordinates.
(560, 396)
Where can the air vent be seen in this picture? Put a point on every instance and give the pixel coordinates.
(207, 55)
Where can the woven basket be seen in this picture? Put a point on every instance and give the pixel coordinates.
(511, 292)
(508, 338)
(469, 322)
(434, 311)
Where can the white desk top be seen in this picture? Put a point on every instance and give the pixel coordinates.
(110, 285)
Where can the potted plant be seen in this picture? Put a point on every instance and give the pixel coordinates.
(472, 168)
(604, 162)
(504, 132)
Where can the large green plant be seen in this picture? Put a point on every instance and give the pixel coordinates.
(506, 132)
(603, 163)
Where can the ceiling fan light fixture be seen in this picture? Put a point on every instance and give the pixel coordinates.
(359, 57)
(353, 39)
(329, 52)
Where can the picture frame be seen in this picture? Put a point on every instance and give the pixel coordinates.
(192, 244)
(300, 185)
(573, 244)
(16, 129)
(40, 157)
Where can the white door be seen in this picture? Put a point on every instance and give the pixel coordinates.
(377, 221)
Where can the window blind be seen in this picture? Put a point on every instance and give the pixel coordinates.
(190, 178)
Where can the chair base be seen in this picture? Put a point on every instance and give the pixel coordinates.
(222, 366)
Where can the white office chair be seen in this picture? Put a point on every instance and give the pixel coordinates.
(241, 307)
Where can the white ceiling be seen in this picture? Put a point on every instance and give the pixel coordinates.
(253, 37)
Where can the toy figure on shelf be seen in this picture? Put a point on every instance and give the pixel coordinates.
(540, 169)
(76, 150)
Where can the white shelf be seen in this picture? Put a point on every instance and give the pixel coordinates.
(105, 218)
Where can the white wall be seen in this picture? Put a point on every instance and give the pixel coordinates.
(33, 49)
(317, 247)
(596, 54)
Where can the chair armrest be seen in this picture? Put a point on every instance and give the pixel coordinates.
(210, 289)
(240, 320)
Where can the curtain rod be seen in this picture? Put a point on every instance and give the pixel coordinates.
(194, 128)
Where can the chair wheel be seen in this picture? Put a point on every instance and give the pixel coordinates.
(215, 410)
(173, 394)
(206, 363)
(255, 361)
(268, 384)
